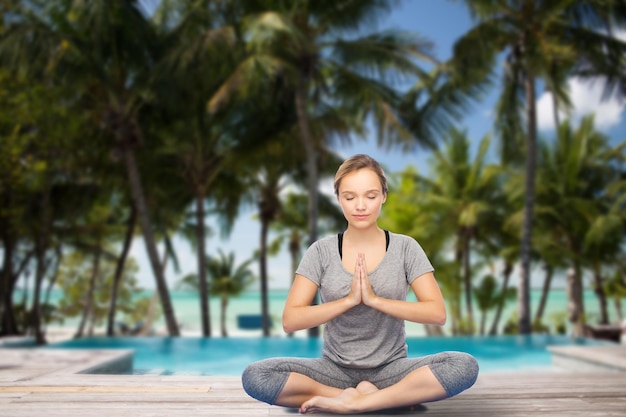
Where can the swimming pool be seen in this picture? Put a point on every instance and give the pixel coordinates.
(229, 356)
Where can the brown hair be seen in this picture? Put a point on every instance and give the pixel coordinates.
(356, 162)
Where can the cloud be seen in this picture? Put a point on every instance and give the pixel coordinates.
(586, 97)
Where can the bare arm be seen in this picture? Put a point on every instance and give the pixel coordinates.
(429, 309)
(299, 314)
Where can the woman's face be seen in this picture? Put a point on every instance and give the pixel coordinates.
(361, 197)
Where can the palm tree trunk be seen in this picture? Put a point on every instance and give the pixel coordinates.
(523, 294)
(202, 276)
(294, 254)
(224, 306)
(545, 291)
(263, 276)
(119, 269)
(35, 314)
(457, 325)
(599, 290)
(41, 246)
(311, 165)
(148, 237)
(555, 112)
(294, 251)
(617, 302)
(508, 269)
(467, 279)
(88, 307)
(25, 261)
(575, 301)
(8, 324)
(311, 157)
(483, 322)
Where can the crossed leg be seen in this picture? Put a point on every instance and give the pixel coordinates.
(418, 386)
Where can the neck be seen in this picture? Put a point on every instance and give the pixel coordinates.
(363, 233)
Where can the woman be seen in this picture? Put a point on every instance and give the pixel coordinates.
(363, 277)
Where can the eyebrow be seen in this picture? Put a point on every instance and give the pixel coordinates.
(374, 190)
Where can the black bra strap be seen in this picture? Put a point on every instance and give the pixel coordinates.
(340, 242)
(386, 240)
(340, 239)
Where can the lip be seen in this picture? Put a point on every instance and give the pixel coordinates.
(360, 216)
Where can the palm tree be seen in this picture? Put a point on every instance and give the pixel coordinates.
(488, 297)
(268, 182)
(291, 223)
(415, 217)
(201, 51)
(290, 227)
(108, 50)
(43, 188)
(131, 224)
(270, 171)
(87, 295)
(15, 192)
(604, 240)
(575, 174)
(227, 279)
(535, 36)
(615, 288)
(316, 49)
(464, 192)
(312, 47)
(497, 243)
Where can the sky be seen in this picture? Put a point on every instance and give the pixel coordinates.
(441, 22)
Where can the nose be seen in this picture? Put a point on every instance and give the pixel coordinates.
(360, 205)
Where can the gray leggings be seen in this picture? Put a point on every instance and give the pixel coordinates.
(265, 379)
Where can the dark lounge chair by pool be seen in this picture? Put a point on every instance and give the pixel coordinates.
(251, 321)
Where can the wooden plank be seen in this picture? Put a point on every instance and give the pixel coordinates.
(103, 389)
(40, 388)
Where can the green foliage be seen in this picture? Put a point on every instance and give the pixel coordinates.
(615, 287)
(227, 278)
(82, 81)
(559, 322)
(486, 293)
(539, 327)
(511, 326)
(488, 297)
(74, 279)
(49, 313)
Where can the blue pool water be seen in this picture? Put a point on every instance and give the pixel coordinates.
(229, 356)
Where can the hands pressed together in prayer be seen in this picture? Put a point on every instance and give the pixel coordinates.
(361, 290)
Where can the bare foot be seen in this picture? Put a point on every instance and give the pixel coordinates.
(366, 387)
(344, 403)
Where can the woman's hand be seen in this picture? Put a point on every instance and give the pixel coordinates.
(361, 290)
(367, 293)
(355, 296)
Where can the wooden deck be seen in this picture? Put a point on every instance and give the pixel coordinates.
(48, 383)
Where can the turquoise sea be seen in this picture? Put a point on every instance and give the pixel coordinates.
(187, 311)
(187, 306)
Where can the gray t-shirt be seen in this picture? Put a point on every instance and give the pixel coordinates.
(363, 337)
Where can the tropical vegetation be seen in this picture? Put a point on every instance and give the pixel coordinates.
(120, 126)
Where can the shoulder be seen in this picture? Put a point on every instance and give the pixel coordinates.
(325, 242)
(318, 258)
(324, 245)
(406, 244)
(402, 239)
